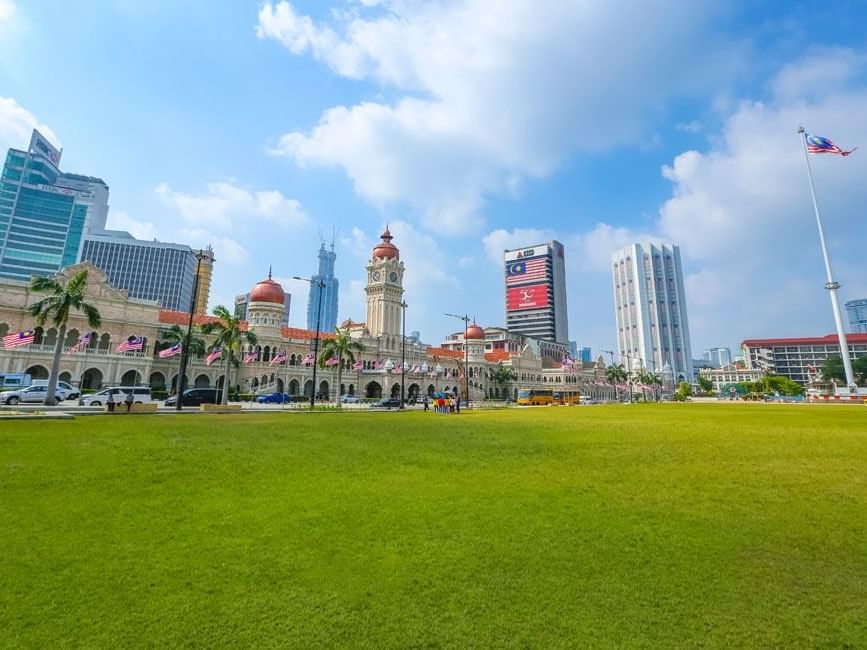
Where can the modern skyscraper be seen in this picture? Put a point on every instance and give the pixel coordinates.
(650, 308)
(857, 311)
(148, 270)
(719, 357)
(329, 292)
(535, 279)
(45, 213)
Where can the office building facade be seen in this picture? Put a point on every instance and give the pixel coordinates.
(146, 270)
(857, 312)
(535, 284)
(328, 304)
(719, 357)
(650, 310)
(45, 213)
(799, 359)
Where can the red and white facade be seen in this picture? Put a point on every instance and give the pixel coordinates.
(799, 359)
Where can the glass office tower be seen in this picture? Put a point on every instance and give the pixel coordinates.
(44, 213)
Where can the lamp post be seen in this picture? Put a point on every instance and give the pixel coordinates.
(403, 307)
(185, 349)
(321, 285)
(466, 320)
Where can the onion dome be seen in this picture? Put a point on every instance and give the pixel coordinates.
(268, 291)
(385, 249)
(475, 332)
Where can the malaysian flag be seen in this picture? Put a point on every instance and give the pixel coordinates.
(818, 144)
(307, 361)
(377, 365)
(172, 351)
(528, 270)
(397, 370)
(332, 361)
(215, 354)
(278, 358)
(82, 343)
(251, 356)
(132, 344)
(358, 365)
(19, 338)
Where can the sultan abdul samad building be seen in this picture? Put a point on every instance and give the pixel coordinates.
(534, 363)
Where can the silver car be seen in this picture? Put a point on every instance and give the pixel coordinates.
(30, 395)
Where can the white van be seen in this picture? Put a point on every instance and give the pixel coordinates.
(71, 391)
(140, 394)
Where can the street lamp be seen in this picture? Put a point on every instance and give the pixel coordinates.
(185, 348)
(466, 320)
(321, 285)
(403, 307)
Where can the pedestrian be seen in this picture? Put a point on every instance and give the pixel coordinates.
(109, 402)
(128, 400)
(426, 405)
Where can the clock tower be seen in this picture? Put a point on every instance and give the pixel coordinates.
(384, 288)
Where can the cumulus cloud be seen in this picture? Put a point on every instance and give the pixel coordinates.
(121, 220)
(225, 204)
(490, 93)
(7, 15)
(17, 123)
(499, 240)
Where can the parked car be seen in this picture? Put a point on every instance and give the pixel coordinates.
(349, 399)
(140, 395)
(197, 397)
(71, 391)
(30, 395)
(387, 403)
(274, 398)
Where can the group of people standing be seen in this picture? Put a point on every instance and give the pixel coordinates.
(442, 404)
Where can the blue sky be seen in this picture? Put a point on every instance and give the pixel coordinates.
(468, 126)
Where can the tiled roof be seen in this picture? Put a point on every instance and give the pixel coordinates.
(497, 356)
(171, 317)
(442, 352)
(298, 333)
(830, 339)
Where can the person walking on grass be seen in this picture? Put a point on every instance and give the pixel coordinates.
(109, 402)
(128, 400)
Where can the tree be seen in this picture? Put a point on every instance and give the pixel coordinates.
(832, 369)
(859, 367)
(341, 347)
(656, 382)
(705, 384)
(230, 338)
(57, 307)
(174, 335)
(502, 375)
(616, 374)
(644, 380)
(684, 390)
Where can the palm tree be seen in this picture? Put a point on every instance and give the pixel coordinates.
(645, 379)
(174, 335)
(340, 347)
(616, 374)
(230, 338)
(57, 306)
(656, 382)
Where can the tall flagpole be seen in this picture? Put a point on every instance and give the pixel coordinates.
(830, 285)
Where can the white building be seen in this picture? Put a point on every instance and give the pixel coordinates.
(730, 374)
(650, 308)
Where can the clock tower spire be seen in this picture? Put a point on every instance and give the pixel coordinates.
(384, 288)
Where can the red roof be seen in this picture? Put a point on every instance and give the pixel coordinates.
(171, 317)
(443, 352)
(497, 356)
(830, 339)
(298, 333)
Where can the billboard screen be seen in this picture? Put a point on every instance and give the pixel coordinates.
(525, 253)
(533, 296)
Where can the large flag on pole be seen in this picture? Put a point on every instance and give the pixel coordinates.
(172, 351)
(216, 353)
(818, 144)
(132, 344)
(277, 359)
(250, 356)
(82, 343)
(19, 338)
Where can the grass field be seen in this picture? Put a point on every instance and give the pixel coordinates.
(715, 525)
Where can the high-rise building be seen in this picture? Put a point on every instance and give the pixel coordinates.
(242, 302)
(579, 354)
(535, 279)
(205, 268)
(45, 213)
(650, 308)
(857, 310)
(719, 357)
(147, 270)
(325, 274)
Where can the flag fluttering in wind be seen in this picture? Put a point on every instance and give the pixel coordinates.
(171, 352)
(332, 361)
(250, 356)
(278, 358)
(358, 365)
(132, 344)
(377, 365)
(818, 144)
(215, 354)
(82, 343)
(19, 338)
(308, 360)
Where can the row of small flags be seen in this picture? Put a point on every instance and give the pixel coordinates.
(132, 344)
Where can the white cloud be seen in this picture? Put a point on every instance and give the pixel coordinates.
(227, 250)
(491, 92)
(7, 16)
(226, 204)
(497, 241)
(17, 123)
(120, 220)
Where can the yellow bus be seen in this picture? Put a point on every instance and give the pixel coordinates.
(567, 397)
(533, 397)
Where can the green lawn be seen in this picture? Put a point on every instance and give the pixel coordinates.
(645, 525)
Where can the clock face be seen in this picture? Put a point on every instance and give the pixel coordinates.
(376, 276)
(393, 277)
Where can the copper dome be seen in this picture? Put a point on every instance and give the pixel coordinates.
(385, 249)
(474, 331)
(268, 291)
